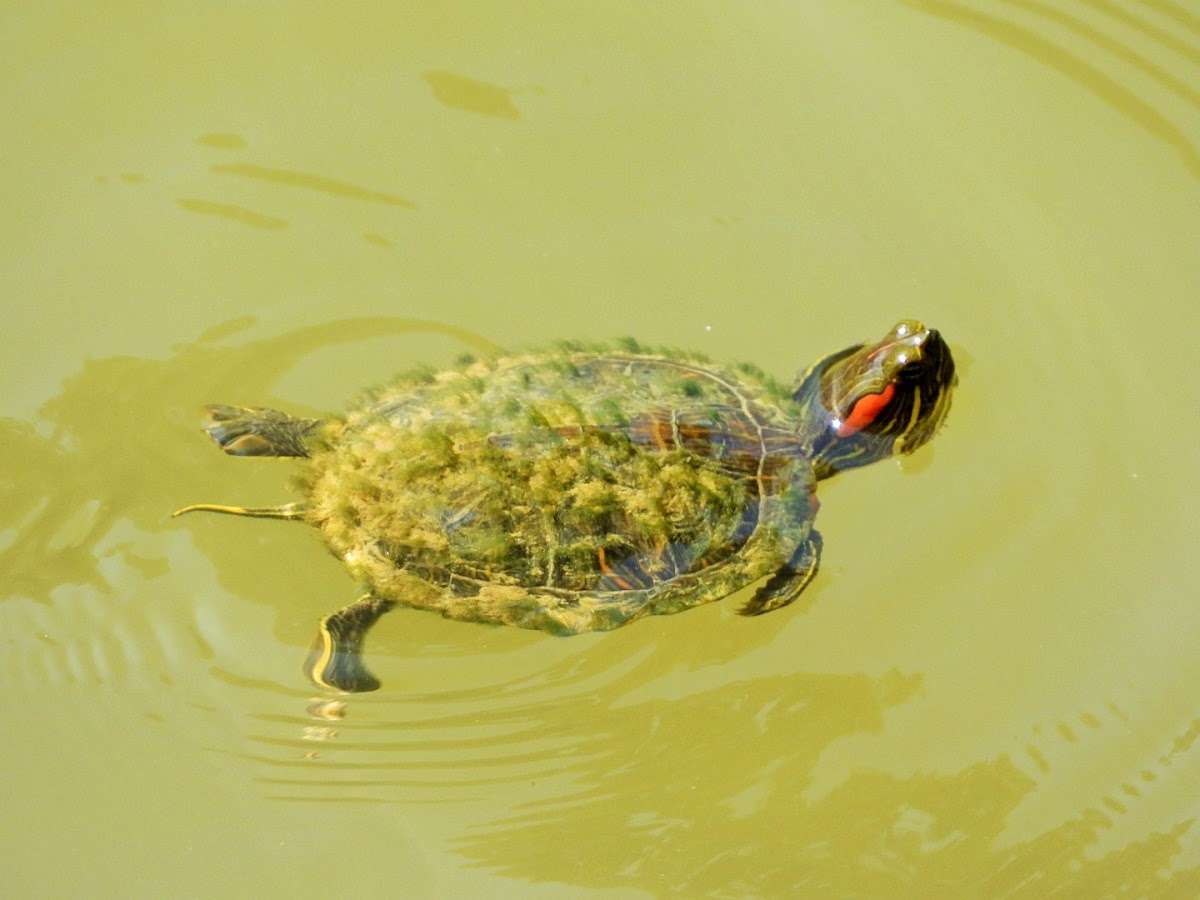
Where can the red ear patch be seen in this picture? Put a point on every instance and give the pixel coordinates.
(865, 411)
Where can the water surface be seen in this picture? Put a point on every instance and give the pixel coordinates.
(992, 691)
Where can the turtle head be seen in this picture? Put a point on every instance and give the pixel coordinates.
(871, 401)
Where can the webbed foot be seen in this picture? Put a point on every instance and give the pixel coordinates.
(335, 659)
(257, 431)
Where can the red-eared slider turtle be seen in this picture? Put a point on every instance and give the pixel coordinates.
(583, 487)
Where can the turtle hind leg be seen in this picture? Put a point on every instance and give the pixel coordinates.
(792, 578)
(257, 431)
(335, 658)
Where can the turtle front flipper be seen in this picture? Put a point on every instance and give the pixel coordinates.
(257, 431)
(335, 659)
(792, 578)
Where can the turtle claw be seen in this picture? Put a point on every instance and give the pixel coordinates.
(335, 658)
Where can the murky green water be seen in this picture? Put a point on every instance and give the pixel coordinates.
(993, 692)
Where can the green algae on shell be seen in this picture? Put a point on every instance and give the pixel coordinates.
(531, 473)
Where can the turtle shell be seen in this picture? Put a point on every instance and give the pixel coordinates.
(570, 491)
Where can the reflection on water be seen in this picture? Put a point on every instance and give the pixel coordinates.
(604, 787)
(1111, 32)
(101, 442)
(272, 177)
(594, 769)
(470, 95)
(311, 182)
(866, 837)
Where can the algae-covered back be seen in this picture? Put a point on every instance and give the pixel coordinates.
(571, 471)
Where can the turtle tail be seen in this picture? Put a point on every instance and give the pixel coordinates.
(286, 511)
